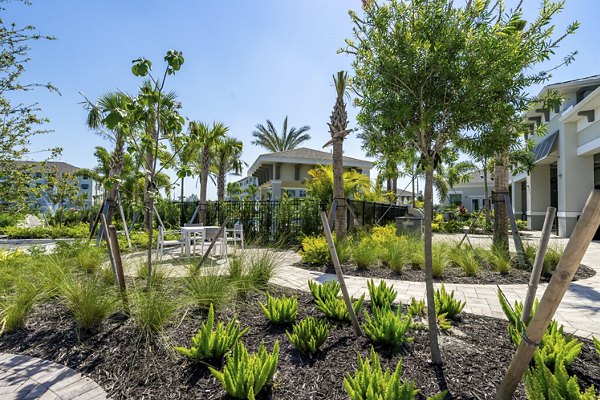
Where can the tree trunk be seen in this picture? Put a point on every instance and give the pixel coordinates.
(414, 204)
(181, 215)
(116, 167)
(221, 183)
(338, 188)
(500, 213)
(436, 355)
(203, 184)
(486, 195)
(148, 186)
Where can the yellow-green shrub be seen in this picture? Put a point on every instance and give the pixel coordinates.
(315, 250)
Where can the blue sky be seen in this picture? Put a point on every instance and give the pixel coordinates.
(245, 61)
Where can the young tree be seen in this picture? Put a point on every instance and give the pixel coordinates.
(205, 140)
(61, 189)
(338, 128)
(270, 139)
(19, 122)
(227, 160)
(432, 72)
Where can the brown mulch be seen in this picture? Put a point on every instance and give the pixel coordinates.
(130, 366)
(450, 275)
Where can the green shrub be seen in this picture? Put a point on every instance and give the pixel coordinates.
(210, 343)
(89, 300)
(393, 254)
(370, 382)
(445, 303)
(381, 295)
(443, 323)
(261, 268)
(158, 273)
(381, 235)
(152, 310)
(440, 258)
(551, 260)
(500, 260)
(8, 219)
(365, 253)
(281, 310)
(315, 250)
(555, 348)
(210, 289)
(529, 252)
(89, 259)
(466, 260)
(542, 383)
(416, 308)
(80, 231)
(521, 225)
(415, 251)
(325, 290)
(244, 375)
(596, 344)
(18, 306)
(388, 327)
(309, 334)
(328, 303)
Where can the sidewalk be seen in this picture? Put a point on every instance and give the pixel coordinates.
(579, 310)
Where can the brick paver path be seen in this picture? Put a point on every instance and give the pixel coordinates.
(23, 377)
(579, 310)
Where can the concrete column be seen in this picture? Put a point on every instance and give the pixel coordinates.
(516, 199)
(538, 186)
(575, 179)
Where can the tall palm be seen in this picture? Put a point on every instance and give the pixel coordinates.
(338, 128)
(270, 139)
(99, 117)
(233, 190)
(227, 160)
(206, 140)
(251, 191)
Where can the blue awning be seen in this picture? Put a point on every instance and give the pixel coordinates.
(545, 147)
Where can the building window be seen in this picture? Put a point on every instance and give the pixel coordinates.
(85, 186)
(455, 199)
(85, 178)
(302, 193)
(297, 172)
(38, 175)
(290, 192)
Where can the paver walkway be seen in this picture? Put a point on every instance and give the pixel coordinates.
(579, 310)
(23, 377)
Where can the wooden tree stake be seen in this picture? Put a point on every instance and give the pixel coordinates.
(536, 272)
(340, 276)
(212, 244)
(567, 266)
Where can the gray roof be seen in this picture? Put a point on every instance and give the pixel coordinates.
(304, 155)
(592, 79)
(58, 165)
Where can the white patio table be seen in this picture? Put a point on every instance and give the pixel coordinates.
(188, 231)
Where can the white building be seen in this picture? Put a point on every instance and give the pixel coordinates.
(567, 158)
(470, 194)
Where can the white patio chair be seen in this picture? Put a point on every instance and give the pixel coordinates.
(161, 242)
(236, 235)
(209, 235)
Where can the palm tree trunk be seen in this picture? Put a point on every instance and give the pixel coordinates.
(436, 355)
(221, 183)
(203, 184)
(500, 212)
(338, 188)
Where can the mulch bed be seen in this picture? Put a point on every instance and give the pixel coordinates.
(451, 274)
(129, 366)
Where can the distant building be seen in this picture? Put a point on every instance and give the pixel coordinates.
(470, 194)
(39, 175)
(404, 196)
(244, 184)
(287, 171)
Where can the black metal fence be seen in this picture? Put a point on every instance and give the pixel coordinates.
(276, 220)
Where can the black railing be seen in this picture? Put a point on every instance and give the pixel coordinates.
(287, 219)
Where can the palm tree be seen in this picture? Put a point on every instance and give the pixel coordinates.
(338, 128)
(227, 160)
(251, 191)
(268, 137)
(206, 140)
(99, 116)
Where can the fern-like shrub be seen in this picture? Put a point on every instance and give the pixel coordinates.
(445, 303)
(245, 375)
(596, 344)
(416, 308)
(328, 303)
(443, 323)
(381, 295)
(371, 382)
(280, 310)
(541, 383)
(309, 334)
(388, 327)
(212, 343)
